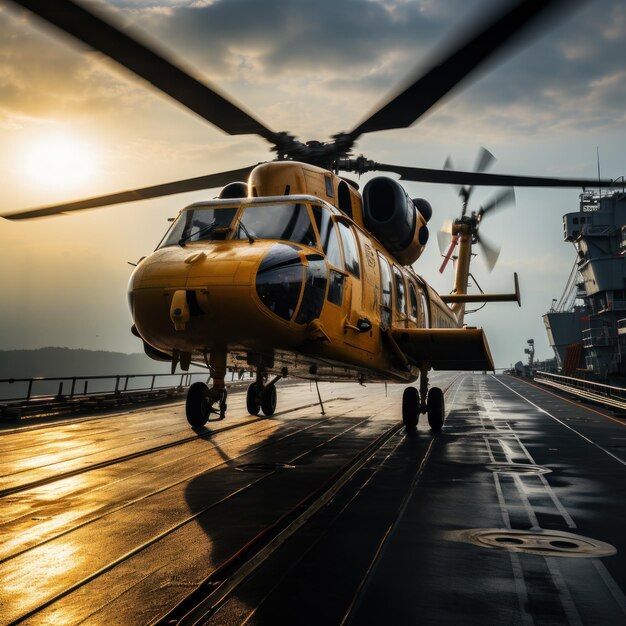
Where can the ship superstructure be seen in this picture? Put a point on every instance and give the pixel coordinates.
(595, 314)
(565, 322)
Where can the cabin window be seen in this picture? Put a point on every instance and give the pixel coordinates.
(202, 224)
(400, 293)
(385, 289)
(286, 222)
(328, 235)
(335, 287)
(350, 251)
(425, 322)
(413, 301)
(329, 186)
(345, 199)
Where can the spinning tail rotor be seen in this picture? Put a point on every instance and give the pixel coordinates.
(448, 236)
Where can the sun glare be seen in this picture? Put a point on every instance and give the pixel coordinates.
(58, 161)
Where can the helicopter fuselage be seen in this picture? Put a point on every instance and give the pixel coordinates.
(287, 282)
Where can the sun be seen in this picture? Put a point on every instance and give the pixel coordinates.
(58, 161)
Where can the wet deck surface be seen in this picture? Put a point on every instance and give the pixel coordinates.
(512, 515)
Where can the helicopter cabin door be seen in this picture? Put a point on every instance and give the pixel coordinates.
(357, 324)
(343, 307)
(364, 310)
(338, 285)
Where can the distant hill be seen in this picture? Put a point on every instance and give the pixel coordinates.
(71, 362)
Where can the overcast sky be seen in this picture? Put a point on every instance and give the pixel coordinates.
(312, 68)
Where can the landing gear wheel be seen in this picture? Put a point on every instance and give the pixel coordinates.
(268, 400)
(410, 407)
(252, 400)
(435, 408)
(196, 407)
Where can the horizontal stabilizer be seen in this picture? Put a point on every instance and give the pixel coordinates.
(446, 348)
(485, 297)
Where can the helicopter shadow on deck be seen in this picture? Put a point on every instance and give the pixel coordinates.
(230, 522)
(256, 485)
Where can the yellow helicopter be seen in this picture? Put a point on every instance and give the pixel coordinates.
(294, 271)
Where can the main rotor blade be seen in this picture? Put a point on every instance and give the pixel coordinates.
(156, 191)
(137, 56)
(483, 160)
(426, 90)
(425, 175)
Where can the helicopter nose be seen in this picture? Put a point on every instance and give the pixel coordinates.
(235, 294)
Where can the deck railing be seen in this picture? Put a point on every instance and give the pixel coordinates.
(607, 395)
(69, 387)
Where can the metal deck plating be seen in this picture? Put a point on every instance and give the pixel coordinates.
(373, 524)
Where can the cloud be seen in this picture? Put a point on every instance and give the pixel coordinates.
(311, 66)
(43, 78)
(340, 59)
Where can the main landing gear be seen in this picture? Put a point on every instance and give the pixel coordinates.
(433, 405)
(202, 401)
(262, 395)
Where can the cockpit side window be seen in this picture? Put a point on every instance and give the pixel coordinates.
(286, 222)
(328, 235)
(350, 250)
(330, 245)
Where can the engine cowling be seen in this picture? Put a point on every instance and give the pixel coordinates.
(392, 217)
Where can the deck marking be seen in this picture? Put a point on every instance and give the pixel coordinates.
(548, 488)
(565, 596)
(611, 585)
(555, 499)
(521, 590)
(593, 443)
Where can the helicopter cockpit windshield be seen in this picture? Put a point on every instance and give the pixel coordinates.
(286, 222)
(200, 224)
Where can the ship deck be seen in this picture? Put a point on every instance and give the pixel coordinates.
(511, 515)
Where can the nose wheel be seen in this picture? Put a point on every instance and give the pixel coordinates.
(196, 406)
(203, 402)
